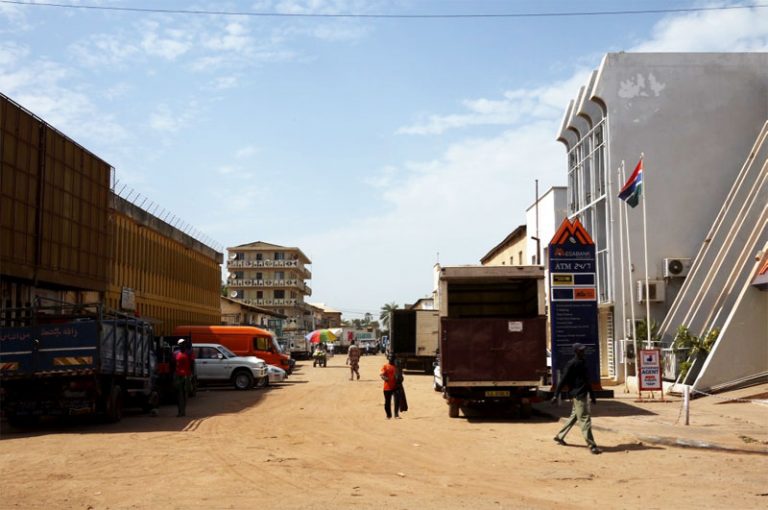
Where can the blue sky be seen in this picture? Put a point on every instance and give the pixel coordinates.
(372, 144)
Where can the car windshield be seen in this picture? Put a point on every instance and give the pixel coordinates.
(227, 352)
(276, 346)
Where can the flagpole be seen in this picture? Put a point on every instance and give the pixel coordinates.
(644, 193)
(631, 287)
(623, 297)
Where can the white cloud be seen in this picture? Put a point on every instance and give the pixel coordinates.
(515, 106)
(102, 50)
(458, 204)
(167, 120)
(227, 169)
(738, 30)
(225, 82)
(117, 91)
(246, 152)
(11, 54)
(168, 44)
(235, 38)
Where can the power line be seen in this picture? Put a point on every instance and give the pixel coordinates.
(559, 14)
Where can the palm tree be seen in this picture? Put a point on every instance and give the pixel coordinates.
(386, 310)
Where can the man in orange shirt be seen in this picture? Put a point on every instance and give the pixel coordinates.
(389, 376)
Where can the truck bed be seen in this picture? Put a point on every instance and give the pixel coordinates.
(493, 352)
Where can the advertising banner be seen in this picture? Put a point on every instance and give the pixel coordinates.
(650, 370)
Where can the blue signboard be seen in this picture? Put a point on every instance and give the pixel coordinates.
(573, 298)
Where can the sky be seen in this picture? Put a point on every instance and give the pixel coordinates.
(379, 146)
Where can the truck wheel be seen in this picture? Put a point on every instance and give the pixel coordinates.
(242, 380)
(115, 405)
(453, 409)
(526, 410)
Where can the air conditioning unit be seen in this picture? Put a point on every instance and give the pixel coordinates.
(655, 291)
(676, 268)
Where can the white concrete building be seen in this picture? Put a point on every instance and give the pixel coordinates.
(542, 220)
(695, 117)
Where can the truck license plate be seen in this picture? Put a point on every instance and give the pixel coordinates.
(496, 393)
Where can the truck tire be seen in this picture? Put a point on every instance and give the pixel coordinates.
(114, 409)
(526, 410)
(453, 409)
(242, 380)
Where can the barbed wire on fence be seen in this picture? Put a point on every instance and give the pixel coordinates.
(129, 194)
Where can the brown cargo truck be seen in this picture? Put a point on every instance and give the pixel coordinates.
(492, 337)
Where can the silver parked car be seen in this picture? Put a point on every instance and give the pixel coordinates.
(215, 363)
(276, 374)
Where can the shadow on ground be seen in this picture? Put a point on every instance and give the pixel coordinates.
(209, 401)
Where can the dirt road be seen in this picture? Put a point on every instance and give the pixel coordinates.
(321, 441)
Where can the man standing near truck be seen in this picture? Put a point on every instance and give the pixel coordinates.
(576, 377)
(182, 376)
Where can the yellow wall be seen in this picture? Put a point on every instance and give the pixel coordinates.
(173, 284)
(510, 255)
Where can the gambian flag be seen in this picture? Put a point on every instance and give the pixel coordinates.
(630, 193)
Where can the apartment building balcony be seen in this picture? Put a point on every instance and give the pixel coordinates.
(264, 263)
(272, 302)
(245, 282)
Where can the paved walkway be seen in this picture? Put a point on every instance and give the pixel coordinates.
(733, 421)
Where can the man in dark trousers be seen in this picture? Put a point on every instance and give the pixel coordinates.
(575, 375)
(182, 376)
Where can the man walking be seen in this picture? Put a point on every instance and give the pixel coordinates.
(353, 360)
(576, 377)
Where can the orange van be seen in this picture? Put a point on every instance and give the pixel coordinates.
(242, 340)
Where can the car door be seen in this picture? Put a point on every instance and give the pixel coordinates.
(208, 363)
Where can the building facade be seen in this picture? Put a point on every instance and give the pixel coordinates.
(54, 232)
(542, 219)
(237, 313)
(160, 273)
(65, 236)
(693, 117)
(512, 251)
(325, 317)
(272, 277)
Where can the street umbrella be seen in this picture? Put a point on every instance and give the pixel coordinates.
(321, 335)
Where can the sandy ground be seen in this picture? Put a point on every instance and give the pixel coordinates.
(322, 441)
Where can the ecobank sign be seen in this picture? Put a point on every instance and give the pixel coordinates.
(573, 298)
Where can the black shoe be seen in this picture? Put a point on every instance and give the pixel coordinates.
(595, 450)
(559, 441)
